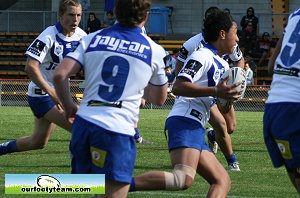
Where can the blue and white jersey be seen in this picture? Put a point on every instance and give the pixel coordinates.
(285, 85)
(49, 48)
(203, 67)
(118, 63)
(196, 42)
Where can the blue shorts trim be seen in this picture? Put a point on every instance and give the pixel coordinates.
(99, 151)
(40, 105)
(282, 133)
(185, 132)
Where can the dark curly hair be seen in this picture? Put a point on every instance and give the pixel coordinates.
(214, 23)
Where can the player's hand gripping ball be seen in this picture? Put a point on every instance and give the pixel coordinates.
(234, 74)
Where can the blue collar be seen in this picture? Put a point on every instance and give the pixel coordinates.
(210, 47)
(59, 27)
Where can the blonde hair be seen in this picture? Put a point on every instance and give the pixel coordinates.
(65, 3)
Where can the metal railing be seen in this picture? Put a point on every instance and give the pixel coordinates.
(14, 93)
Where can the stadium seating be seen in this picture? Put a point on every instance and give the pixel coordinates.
(12, 48)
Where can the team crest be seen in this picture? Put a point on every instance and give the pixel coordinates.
(58, 50)
(98, 156)
(284, 147)
(216, 75)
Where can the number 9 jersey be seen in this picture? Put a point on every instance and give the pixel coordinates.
(118, 63)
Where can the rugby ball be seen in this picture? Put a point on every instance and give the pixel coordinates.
(44, 181)
(234, 74)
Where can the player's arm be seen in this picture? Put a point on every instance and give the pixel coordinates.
(33, 71)
(184, 87)
(156, 94)
(66, 68)
(271, 62)
(240, 63)
(178, 67)
(237, 57)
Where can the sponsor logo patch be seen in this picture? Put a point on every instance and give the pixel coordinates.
(37, 47)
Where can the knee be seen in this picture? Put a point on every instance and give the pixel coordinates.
(223, 182)
(181, 178)
(231, 127)
(220, 127)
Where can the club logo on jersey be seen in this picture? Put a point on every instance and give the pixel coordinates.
(183, 53)
(284, 147)
(191, 68)
(58, 50)
(217, 75)
(37, 47)
(98, 156)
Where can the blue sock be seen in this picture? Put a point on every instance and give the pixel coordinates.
(231, 158)
(137, 134)
(132, 185)
(8, 147)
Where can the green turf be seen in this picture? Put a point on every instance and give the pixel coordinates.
(257, 178)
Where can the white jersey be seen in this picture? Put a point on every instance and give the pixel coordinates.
(118, 64)
(285, 85)
(203, 67)
(196, 42)
(49, 48)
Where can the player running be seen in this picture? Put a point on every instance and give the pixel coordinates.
(196, 87)
(43, 56)
(223, 123)
(121, 65)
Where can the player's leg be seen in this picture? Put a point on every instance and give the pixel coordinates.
(45, 113)
(39, 138)
(43, 128)
(294, 175)
(218, 122)
(230, 119)
(184, 162)
(57, 116)
(182, 132)
(214, 173)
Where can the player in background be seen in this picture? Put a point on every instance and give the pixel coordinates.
(223, 123)
(196, 87)
(43, 56)
(121, 66)
(282, 111)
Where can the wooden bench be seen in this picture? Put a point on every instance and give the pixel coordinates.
(171, 42)
(15, 44)
(171, 47)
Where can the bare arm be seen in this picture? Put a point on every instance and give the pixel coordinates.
(33, 71)
(274, 56)
(240, 63)
(178, 67)
(156, 94)
(65, 69)
(183, 87)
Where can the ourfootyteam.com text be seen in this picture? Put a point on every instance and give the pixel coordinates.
(54, 190)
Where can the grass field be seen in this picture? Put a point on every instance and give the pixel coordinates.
(257, 178)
